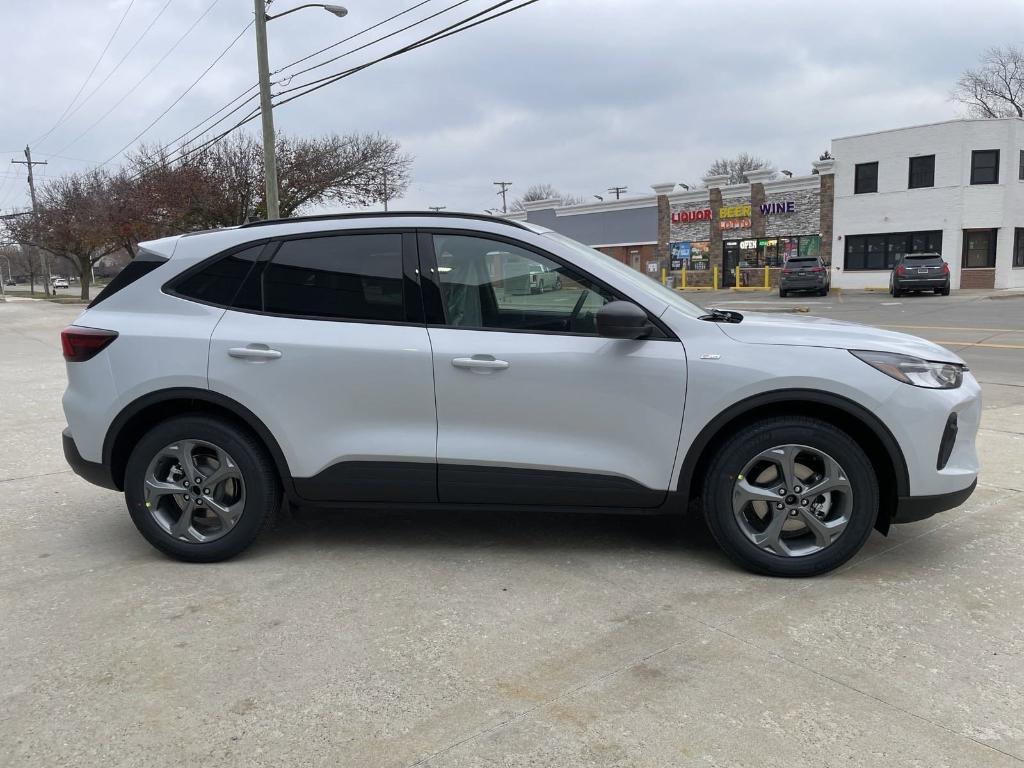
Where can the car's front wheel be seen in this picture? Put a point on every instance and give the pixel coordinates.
(200, 489)
(791, 496)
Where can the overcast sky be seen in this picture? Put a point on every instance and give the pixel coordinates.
(582, 94)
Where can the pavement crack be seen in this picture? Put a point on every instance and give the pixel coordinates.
(29, 477)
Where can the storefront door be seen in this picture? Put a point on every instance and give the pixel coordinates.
(730, 258)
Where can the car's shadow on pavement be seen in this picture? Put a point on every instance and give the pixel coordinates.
(348, 530)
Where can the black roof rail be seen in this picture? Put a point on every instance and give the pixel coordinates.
(383, 215)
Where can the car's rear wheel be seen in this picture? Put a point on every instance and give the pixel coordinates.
(782, 293)
(791, 496)
(200, 489)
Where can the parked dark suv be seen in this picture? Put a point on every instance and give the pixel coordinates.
(919, 272)
(804, 273)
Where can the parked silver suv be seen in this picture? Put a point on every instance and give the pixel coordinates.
(392, 361)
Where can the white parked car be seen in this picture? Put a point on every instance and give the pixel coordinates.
(60, 282)
(330, 360)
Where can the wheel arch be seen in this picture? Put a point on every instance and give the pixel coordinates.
(139, 415)
(864, 427)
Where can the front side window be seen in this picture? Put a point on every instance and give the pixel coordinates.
(218, 283)
(979, 248)
(342, 277)
(865, 178)
(922, 172)
(487, 284)
(985, 166)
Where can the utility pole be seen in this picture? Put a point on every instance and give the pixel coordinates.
(266, 112)
(503, 191)
(385, 190)
(29, 162)
(617, 191)
(436, 208)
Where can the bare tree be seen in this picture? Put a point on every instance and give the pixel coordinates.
(545, 192)
(736, 168)
(996, 88)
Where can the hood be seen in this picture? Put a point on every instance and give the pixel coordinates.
(809, 331)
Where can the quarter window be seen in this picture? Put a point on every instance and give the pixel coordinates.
(498, 286)
(922, 172)
(218, 283)
(865, 178)
(344, 277)
(985, 166)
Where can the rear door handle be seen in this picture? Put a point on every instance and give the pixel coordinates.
(480, 363)
(254, 352)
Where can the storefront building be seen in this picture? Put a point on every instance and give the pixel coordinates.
(955, 188)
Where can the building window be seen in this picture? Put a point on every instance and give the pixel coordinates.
(864, 252)
(1020, 170)
(865, 178)
(1018, 247)
(922, 172)
(979, 248)
(985, 166)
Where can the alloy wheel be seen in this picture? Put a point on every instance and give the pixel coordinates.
(194, 491)
(792, 500)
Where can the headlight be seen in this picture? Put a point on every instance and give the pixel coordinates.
(914, 370)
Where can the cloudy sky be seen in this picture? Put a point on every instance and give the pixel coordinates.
(582, 94)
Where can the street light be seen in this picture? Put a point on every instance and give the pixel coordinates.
(266, 107)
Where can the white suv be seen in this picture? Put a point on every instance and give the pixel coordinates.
(384, 360)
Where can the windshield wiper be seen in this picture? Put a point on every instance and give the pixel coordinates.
(722, 316)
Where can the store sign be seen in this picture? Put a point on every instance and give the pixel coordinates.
(685, 217)
(652, 267)
(734, 224)
(774, 209)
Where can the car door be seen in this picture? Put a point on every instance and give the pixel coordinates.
(325, 343)
(533, 406)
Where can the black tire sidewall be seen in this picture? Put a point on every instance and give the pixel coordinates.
(262, 491)
(734, 455)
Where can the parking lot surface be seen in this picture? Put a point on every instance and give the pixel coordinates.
(462, 639)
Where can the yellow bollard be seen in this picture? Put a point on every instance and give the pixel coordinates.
(766, 277)
(714, 277)
(682, 278)
(737, 283)
(662, 275)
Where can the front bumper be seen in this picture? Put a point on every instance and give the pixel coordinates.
(95, 472)
(910, 509)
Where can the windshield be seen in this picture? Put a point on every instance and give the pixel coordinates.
(644, 283)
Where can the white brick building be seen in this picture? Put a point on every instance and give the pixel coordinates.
(956, 187)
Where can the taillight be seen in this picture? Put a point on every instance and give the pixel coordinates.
(81, 344)
(817, 269)
(945, 268)
(787, 271)
(900, 270)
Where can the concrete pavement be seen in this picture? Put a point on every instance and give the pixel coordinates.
(395, 639)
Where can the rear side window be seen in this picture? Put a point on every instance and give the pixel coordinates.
(217, 283)
(343, 277)
(144, 263)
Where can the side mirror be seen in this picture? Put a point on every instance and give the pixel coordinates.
(623, 320)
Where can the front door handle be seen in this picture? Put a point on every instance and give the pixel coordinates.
(254, 352)
(480, 363)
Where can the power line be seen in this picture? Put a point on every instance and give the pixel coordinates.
(617, 191)
(120, 61)
(91, 73)
(432, 38)
(503, 191)
(143, 78)
(183, 94)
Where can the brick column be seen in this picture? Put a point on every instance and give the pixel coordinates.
(663, 250)
(714, 185)
(757, 197)
(827, 187)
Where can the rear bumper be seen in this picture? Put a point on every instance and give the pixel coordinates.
(910, 509)
(913, 283)
(94, 472)
(802, 284)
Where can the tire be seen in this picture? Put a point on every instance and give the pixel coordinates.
(945, 291)
(251, 493)
(802, 554)
(783, 294)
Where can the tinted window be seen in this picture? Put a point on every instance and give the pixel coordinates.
(923, 258)
(865, 178)
(985, 166)
(490, 284)
(883, 251)
(1018, 247)
(144, 263)
(922, 172)
(217, 283)
(345, 277)
(802, 263)
(979, 248)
